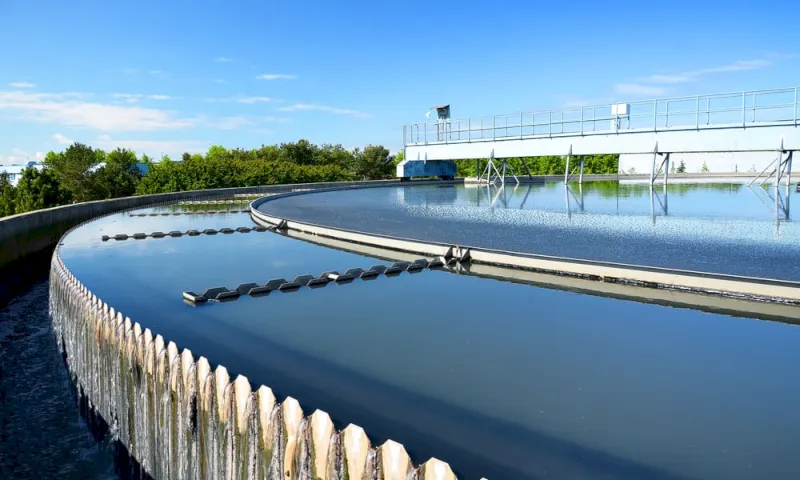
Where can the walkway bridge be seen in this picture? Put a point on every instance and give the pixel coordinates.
(750, 121)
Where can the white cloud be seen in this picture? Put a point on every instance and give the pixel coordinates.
(298, 107)
(62, 139)
(737, 66)
(135, 97)
(223, 59)
(67, 109)
(19, 156)
(241, 99)
(220, 81)
(262, 131)
(253, 100)
(153, 148)
(21, 85)
(230, 123)
(276, 76)
(637, 89)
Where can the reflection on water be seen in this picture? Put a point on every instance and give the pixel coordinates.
(722, 228)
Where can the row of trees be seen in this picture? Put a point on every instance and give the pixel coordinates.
(81, 173)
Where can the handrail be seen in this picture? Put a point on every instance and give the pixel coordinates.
(718, 110)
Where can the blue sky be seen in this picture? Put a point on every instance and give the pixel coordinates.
(178, 75)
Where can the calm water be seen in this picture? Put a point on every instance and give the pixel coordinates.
(706, 227)
(506, 381)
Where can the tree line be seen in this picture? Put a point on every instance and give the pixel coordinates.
(81, 173)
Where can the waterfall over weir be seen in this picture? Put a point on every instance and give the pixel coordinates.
(178, 419)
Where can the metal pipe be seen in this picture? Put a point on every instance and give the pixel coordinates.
(655, 115)
(762, 172)
(697, 113)
(743, 108)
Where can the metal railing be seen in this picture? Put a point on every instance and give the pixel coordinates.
(723, 110)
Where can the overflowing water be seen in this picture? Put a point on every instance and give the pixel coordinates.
(177, 418)
(42, 434)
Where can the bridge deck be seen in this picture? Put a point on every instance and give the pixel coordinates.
(738, 122)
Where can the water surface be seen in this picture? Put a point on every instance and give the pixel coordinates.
(502, 380)
(727, 228)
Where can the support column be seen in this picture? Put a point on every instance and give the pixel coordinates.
(566, 170)
(580, 179)
(653, 171)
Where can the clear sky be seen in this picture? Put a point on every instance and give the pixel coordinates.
(177, 75)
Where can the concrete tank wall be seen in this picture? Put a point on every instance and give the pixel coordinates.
(172, 415)
(35, 231)
(180, 419)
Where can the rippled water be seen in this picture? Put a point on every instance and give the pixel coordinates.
(721, 228)
(41, 432)
(506, 381)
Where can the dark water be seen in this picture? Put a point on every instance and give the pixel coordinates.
(505, 381)
(721, 228)
(41, 432)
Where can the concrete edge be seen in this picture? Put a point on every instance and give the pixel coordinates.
(750, 288)
(780, 312)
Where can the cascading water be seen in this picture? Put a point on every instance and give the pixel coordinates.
(178, 419)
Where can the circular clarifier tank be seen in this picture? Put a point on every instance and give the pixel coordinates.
(501, 379)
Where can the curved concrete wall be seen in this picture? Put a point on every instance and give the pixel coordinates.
(172, 414)
(179, 419)
(31, 232)
(747, 288)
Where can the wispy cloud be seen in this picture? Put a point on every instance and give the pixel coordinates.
(223, 59)
(262, 131)
(131, 72)
(153, 148)
(303, 107)
(253, 100)
(276, 76)
(737, 66)
(61, 139)
(21, 85)
(70, 109)
(638, 89)
(19, 156)
(220, 81)
(241, 99)
(135, 97)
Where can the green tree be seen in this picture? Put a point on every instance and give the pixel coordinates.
(7, 195)
(682, 167)
(118, 177)
(373, 163)
(704, 168)
(72, 168)
(39, 189)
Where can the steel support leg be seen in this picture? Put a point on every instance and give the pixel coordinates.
(580, 178)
